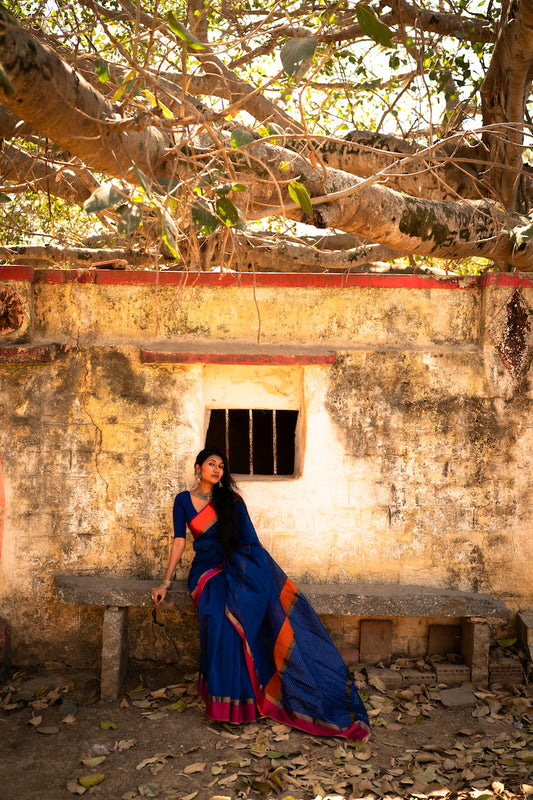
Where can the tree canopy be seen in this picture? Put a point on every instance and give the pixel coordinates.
(303, 135)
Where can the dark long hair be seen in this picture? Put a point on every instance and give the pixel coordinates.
(224, 501)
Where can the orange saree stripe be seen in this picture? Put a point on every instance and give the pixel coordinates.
(288, 594)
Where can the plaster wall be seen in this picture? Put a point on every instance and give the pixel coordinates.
(414, 444)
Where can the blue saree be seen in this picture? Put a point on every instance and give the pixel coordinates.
(263, 648)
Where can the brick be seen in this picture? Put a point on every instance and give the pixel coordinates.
(375, 640)
(392, 678)
(444, 639)
(417, 676)
(452, 674)
(506, 673)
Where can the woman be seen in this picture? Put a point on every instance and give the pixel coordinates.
(263, 648)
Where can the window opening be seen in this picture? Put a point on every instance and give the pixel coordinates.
(256, 441)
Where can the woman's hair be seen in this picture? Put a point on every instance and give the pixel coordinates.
(224, 501)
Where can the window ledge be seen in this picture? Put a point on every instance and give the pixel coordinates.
(238, 354)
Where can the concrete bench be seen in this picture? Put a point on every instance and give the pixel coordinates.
(367, 601)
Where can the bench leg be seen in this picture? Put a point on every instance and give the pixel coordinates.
(114, 651)
(525, 632)
(475, 646)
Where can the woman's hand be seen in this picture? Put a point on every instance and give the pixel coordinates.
(158, 594)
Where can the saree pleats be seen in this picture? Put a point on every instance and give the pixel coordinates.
(263, 648)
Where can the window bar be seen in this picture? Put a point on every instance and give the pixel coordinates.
(274, 442)
(251, 440)
(226, 433)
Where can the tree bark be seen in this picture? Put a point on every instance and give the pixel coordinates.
(504, 93)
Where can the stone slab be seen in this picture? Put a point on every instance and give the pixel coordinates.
(395, 600)
(375, 640)
(108, 590)
(457, 698)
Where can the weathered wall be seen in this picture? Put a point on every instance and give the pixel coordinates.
(414, 446)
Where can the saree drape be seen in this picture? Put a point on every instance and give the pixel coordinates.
(263, 648)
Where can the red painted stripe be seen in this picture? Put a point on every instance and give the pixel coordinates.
(159, 357)
(248, 279)
(27, 354)
(17, 273)
(112, 277)
(65, 276)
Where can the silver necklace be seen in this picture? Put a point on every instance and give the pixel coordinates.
(203, 495)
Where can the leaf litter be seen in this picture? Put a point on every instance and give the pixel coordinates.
(271, 760)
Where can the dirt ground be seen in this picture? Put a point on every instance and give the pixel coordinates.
(155, 741)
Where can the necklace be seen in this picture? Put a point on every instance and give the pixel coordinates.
(203, 495)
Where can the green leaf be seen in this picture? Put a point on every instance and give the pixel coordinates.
(167, 113)
(103, 197)
(182, 33)
(102, 71)
(5, 198)
(169, 233)
(143, 180)
(227, 211)
(238, 187)
(300, 194)
(180, 706)
(203, 217)
(6, 84)
(507, 642)
(91, 780)
(107, 725)
(296, 51)
(240, 138)
(371, 25)
(129, 219)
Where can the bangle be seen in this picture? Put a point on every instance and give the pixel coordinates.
(166, 584)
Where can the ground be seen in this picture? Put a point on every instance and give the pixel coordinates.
(155, 741)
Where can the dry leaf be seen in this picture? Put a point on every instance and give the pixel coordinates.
(50, 729)
(93, 762)
(199, 766)
(125, 744)
(35, 721)
(75, 788)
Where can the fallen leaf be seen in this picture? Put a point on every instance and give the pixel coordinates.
(67, 708)
(190, 796)
(75, 788)
(149, 789)
(199, 766)
(35, 721)
(70, 719)
(93, 762)
(50, 729)
(126, 744)
(107, 725)
(91, 780)
(179, 706)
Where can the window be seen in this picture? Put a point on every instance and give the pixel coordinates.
(256, 441)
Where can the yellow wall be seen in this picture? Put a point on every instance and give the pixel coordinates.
(414, 447)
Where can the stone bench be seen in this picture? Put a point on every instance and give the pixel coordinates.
(367, 601)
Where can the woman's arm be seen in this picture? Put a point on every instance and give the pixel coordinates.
(176, 552)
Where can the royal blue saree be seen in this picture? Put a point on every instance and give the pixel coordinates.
(263, 648)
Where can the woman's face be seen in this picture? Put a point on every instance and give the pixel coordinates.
(212, 470)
